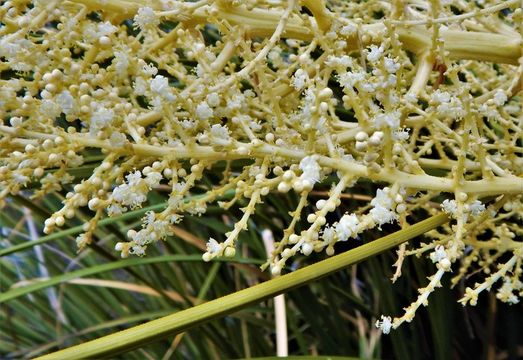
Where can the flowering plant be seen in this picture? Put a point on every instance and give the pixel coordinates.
(422, 99)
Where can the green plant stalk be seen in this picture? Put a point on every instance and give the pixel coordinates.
(183, 320)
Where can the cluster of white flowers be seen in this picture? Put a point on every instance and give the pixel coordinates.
(203, 111)
(134, 192)
(375, 53)
(382, 203)
(66, 102)
(391, 66)
(473, 208)
(343, 61)
(299, 80)
(100, 118)
(271, 133)
(447, 105)
(154, 229)
(440, 257)
(350, 79)
(348, 30)
(310, 170)
(347, 227)
(391, 120)
(121, 62)
(500, 97)
(220, 132)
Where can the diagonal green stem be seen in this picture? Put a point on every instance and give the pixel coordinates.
(181, 321)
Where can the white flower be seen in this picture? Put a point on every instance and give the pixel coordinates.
(349, 79)
(439, 96)
(382, 204)
(348, 29)
(449, 206)
(115, 210)
(213, 99)
(117, 139)
(310, 169)
(138, 250)
(375, 53)
(236, 102)
(132, 194)
(133, 179)
(328, 234)
(391, 120)
(213, 246)
(20, 179)
(447, 105)
(299, 80)
(203, 111)
(101, 118)
(382, 215)
(121, 62)
(153, 179)
(476, 208)
(66, 101)
(382, 199)
(105, 29)
(391, 66)
(220, 132)
(401, 134)
(500, 97)
(439, 254)
(342, 61)
(50, 109)
(149, 69)
(385, 324)
(145, 17)
(347, 227)
(160, 84)
(368, 87)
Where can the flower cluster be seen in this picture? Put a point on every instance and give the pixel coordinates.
(327, 104)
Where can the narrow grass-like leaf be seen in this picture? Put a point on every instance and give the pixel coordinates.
(17, 292)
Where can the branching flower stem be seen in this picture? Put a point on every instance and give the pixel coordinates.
(506, 185)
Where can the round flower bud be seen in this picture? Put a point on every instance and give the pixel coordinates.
(59, 221)
(293, 239)
(306, 249)
(311, 218)
(361, 136)
(320, 204)
(229, 252)
(284, 187)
